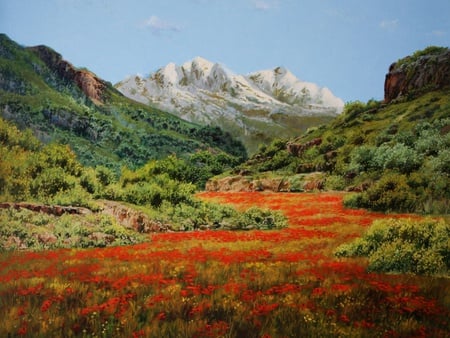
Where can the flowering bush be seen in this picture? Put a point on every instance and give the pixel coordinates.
(404, 245)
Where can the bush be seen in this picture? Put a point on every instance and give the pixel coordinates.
(50, 182)
(143, 194)
(404, 245)
(390, 193)
(362, 158)
(260, 219)
(398, 157)
(335, 182)
(76, 196)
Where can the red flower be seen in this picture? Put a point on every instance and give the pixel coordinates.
(161, 316)
(318, 291)
(138, 334)
(22, 331)
(46, 305)
(20, 312)
(344, 319)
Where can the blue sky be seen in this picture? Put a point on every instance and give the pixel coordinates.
(345, 45)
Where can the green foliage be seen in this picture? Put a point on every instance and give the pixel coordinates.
(390, 193)
(398, 157)
(404, 245)
(51, 181)
(163, 187)
(260, 218)
(119, 132)
(335, 182)
(430, 50)
(25, 229)
(373, 143)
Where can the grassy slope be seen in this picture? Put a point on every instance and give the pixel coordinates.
(407, 126)
(120, 132)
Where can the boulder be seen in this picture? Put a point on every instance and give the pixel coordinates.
(424, 71)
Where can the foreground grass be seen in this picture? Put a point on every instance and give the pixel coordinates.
(283, 283)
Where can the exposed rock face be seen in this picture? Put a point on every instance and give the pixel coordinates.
(423, 71)
(133, 219)
(241, 183)
(297, 149)
(55, 210)
(235, 183)
(92, 86)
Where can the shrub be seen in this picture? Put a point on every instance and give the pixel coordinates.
(362, 158)
(335, 182)
(50, 182)
(404, 245)
(89, 181)
(76, 196)
(105, 175)
(391, 192)
(397, 157)
(261, 219)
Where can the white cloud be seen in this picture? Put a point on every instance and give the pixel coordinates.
(265, 5)
(389, 24)
(438, 33)
(158, 25)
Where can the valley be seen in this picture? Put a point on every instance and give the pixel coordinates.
(222, 205)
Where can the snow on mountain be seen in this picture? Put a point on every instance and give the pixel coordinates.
(256, 107)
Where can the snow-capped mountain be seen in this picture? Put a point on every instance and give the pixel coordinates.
(256, 108)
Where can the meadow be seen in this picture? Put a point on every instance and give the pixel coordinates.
(217, 283)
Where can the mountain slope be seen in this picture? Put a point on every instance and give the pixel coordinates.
(255, 108)
(396, 151)
(61, 103)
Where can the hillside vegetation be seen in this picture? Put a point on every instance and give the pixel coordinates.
(396, 154)
(160, 194)
(62, 104)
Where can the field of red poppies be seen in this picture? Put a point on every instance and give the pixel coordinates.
(274, 283)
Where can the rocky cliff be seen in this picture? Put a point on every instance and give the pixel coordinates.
(423, 71)
(92, 86)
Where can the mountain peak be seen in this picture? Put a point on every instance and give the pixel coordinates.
(261, 103)
(198, 63)
(280, 70)
(202, 61)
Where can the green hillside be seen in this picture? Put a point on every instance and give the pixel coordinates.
(41, 91)
(48, 199)
(397, 154)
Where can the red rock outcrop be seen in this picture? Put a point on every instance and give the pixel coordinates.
(425, 70)
(241, 183)
(132, 219)
(297, 149)
(92, 86)
(55, 210)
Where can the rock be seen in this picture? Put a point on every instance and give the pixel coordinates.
(306, 168)
(359, 188)
(133, 219)
(102, 237)
(47, 238)
(297, 149)
(426, 70)
(55, 210)
(92, 86)
(242, 183)
(331, 155)
(14, 242)
(313, 185)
